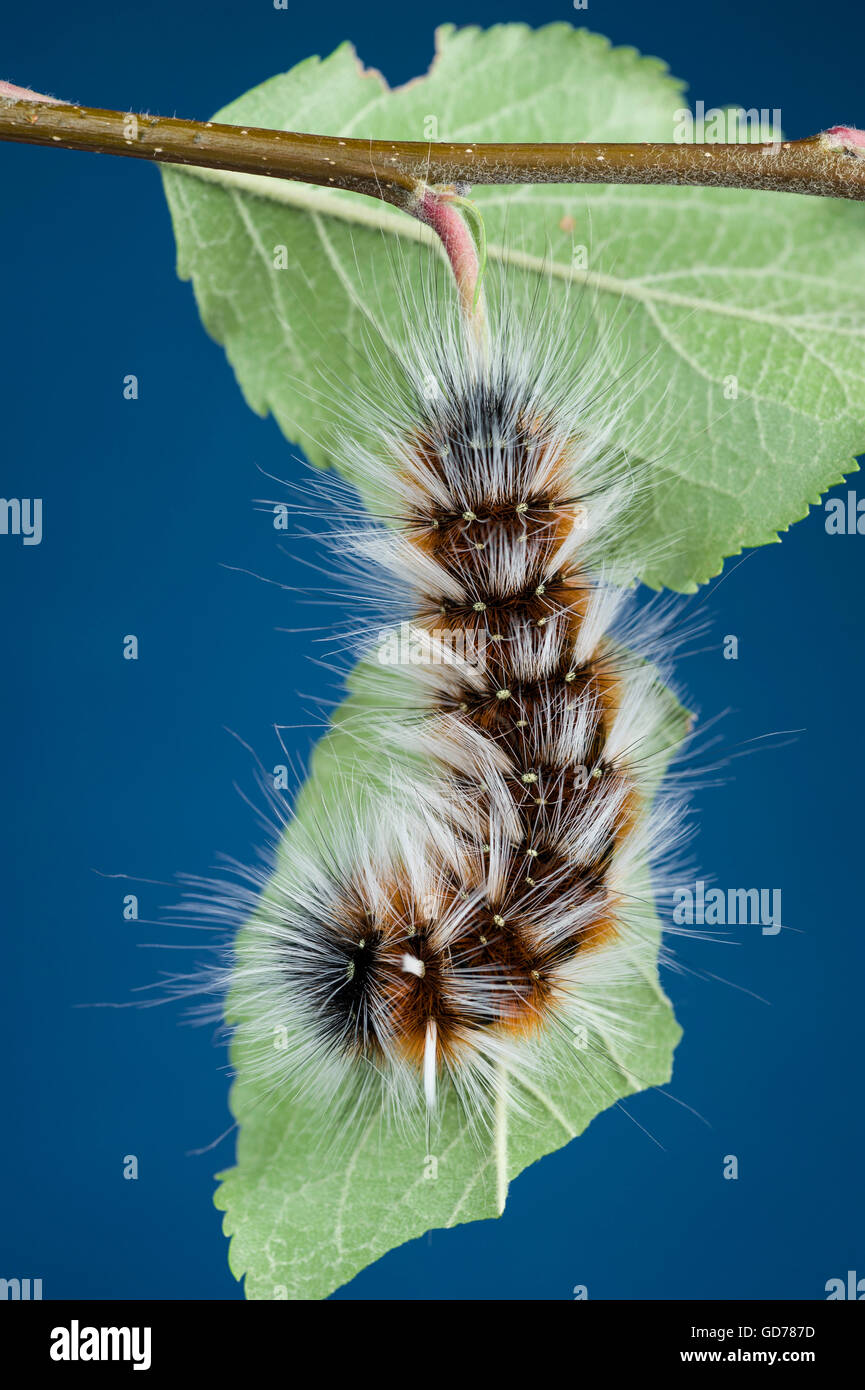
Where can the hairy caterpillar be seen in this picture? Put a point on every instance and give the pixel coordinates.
(495, 893)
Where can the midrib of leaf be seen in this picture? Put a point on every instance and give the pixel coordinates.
(470, 1184)
(316, 201)
(500, 1139)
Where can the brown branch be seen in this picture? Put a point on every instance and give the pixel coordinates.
(831, 164)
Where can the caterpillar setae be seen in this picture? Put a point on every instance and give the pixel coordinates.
(495, 893)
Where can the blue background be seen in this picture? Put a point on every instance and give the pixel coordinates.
(111, 766)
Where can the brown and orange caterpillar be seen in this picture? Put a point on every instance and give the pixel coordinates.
(496, 892)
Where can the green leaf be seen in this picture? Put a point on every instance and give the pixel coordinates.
(304, 1219)
(749, 308)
